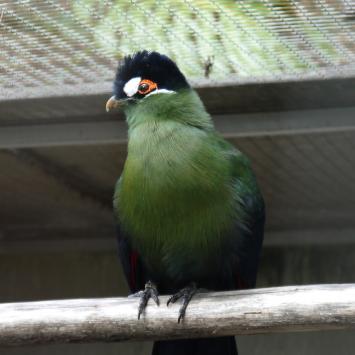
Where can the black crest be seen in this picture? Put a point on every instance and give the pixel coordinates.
(149, 65)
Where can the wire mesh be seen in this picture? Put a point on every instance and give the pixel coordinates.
(52, 45)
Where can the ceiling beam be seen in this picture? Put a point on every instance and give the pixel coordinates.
(230, 125)
(83, 103)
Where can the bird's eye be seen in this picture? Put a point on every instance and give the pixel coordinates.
(143, 87)
(146, 86)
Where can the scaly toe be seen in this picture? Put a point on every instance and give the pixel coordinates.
(150, 291)
(186, 295)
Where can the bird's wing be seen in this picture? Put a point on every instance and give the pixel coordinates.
(248, 230)
(130, 259)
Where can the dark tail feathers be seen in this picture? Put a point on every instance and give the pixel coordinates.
(203, 346)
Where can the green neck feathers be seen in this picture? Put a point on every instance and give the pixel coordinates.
(183, 107)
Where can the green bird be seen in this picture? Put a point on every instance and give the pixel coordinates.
(188, 208)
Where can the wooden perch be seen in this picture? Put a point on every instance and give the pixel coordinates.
(268, 310)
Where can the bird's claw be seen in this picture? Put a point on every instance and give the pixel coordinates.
(150, 291)
(186, 295)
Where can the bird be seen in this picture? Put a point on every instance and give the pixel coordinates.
(188, 209)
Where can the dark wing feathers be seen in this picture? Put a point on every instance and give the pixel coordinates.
(130, 260)
(246, 238)
(252, 233)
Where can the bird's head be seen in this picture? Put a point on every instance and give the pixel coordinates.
(143, 75)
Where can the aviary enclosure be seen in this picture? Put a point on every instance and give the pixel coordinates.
(277, 76)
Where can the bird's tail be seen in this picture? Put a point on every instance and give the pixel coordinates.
(203, 346)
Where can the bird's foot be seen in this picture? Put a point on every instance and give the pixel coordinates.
(150, 291)
(186, 295)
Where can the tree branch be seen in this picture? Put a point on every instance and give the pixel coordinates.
(269, 310)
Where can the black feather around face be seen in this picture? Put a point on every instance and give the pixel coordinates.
(152, 66)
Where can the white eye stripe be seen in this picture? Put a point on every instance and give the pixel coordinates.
(161, 91)
(131, 86)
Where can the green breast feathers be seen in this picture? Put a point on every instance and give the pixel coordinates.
(176, 188)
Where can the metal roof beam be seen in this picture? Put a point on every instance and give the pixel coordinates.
(230, 125)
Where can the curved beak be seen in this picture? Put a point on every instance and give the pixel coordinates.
(113, 103)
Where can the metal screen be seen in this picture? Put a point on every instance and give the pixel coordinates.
(61, 47)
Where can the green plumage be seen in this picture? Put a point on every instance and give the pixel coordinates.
(183, 186)
(188, 208)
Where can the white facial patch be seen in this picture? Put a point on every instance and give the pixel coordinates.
(131, 86)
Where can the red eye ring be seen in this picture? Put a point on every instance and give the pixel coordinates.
(146, 86)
